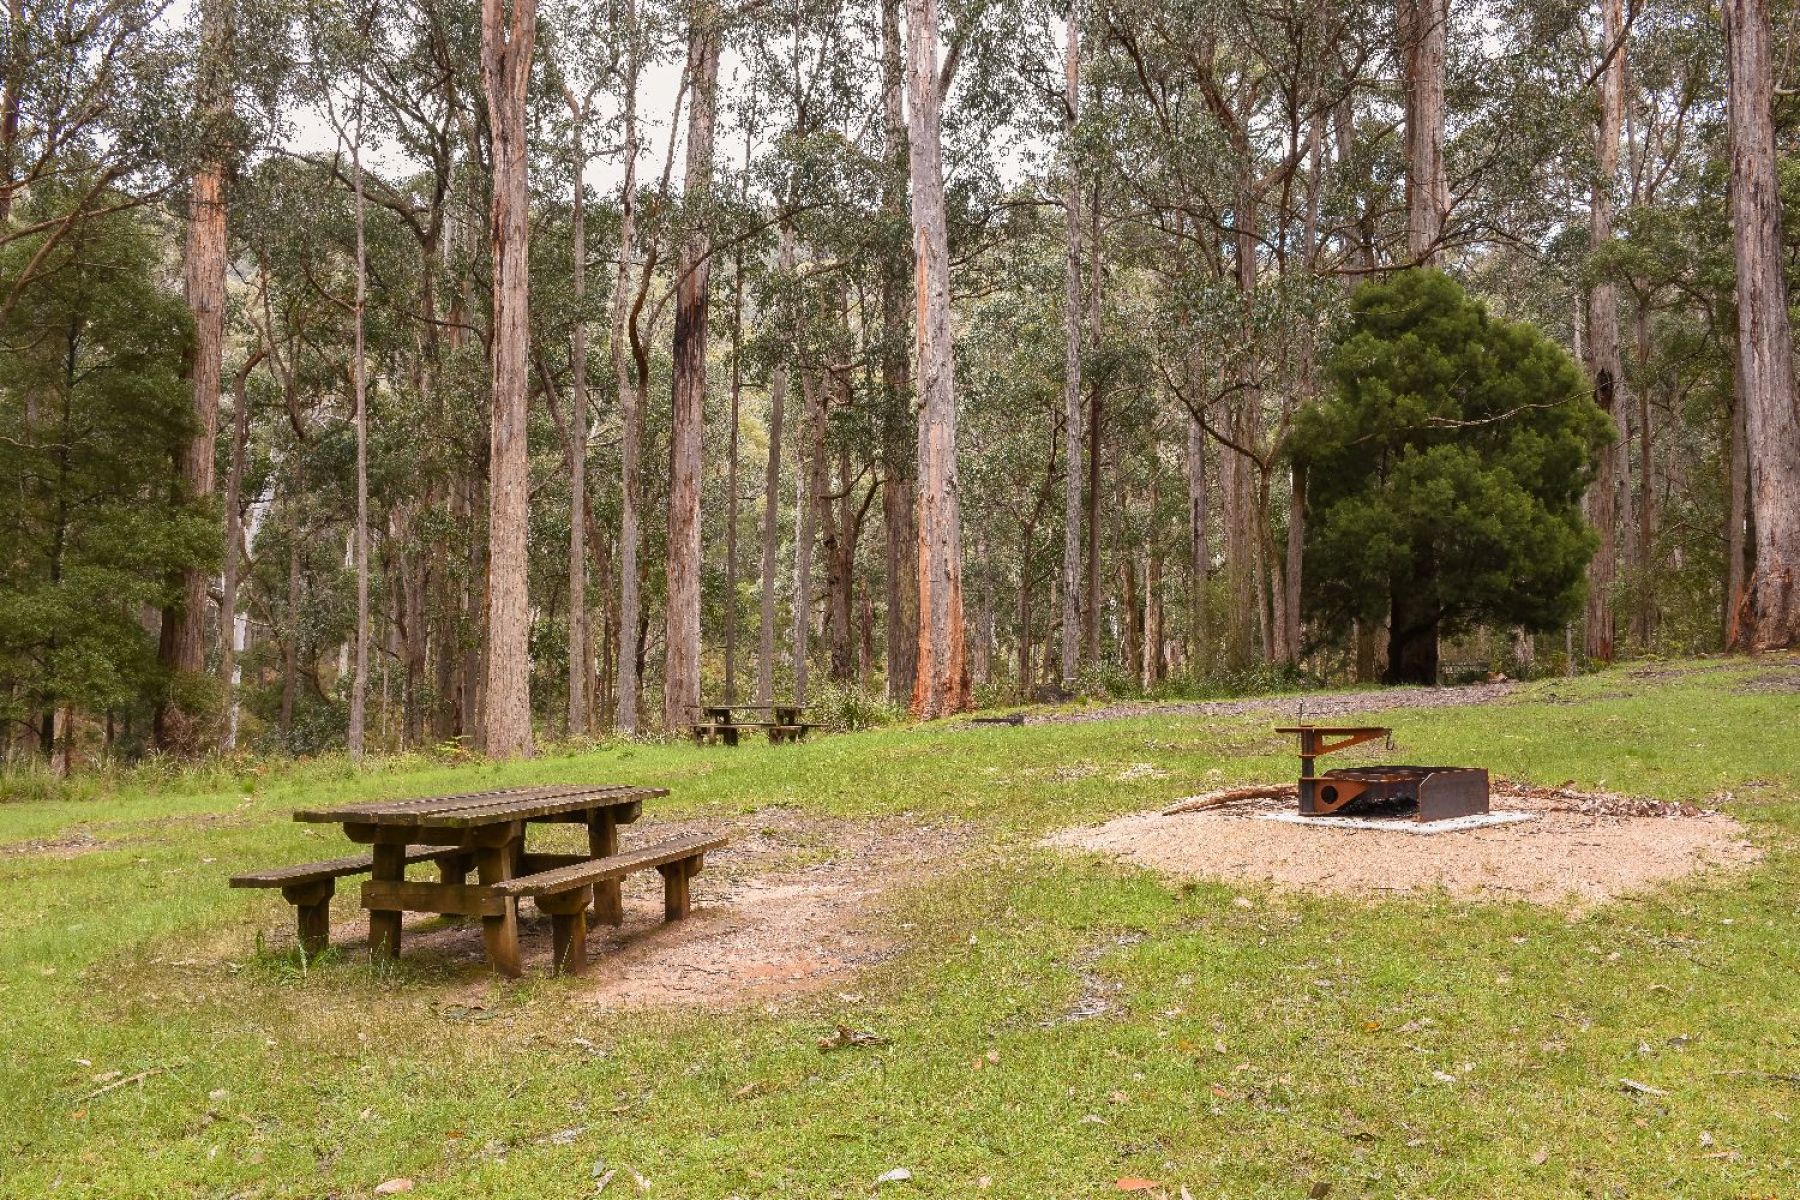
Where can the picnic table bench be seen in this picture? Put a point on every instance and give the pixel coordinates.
(485, 832)
(720, 722)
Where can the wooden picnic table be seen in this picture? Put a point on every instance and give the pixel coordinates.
(483, 831)
(785, 721)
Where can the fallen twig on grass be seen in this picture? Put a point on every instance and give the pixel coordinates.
(119, 1083)
(1264, 791)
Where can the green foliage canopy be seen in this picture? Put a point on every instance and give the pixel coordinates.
(1445, 470)
(93, 411)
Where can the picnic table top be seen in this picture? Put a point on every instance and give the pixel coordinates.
(471, 809)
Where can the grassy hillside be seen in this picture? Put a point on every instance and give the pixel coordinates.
(1254, 1045)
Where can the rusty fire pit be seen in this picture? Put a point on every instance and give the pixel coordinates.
(1440, 793)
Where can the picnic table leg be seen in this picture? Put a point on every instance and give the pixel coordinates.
(454, 869)
(603, 842)
(494, 864)
(312, 910)
(675, 875)
(384, 924)
(568, 930)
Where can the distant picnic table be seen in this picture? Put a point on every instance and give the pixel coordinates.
(721, 722)
(485, 832)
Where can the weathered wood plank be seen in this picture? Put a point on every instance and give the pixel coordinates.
(333, 868)
(450, 899)
(480, 808)
(614, 867)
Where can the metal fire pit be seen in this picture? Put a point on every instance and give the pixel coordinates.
(1440, 792)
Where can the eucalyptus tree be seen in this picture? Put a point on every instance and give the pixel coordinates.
(1768, 615)
(508, 35)
(681, 638)
(941, 685)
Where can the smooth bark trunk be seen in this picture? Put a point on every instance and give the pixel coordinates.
(507, 40)
(359, 683)
(1072, 335)
(579, 431)
(771, 518)
(899, 449)
(941, 684)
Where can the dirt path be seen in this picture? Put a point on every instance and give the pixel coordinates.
(1315, 704)
(794, 905)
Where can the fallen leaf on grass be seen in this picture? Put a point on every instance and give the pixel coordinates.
(846, 1037)
(1541, 1157)
(1132, 1183)
(393, 1187)
(897, 1175)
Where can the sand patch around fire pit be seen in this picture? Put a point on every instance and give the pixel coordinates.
(1579, 849)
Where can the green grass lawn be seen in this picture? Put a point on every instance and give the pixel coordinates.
(1400, 1048)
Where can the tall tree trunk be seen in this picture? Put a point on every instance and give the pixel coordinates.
(631, 401)
(1022, 619)
(899, 449)
(771, 519)
(182, 649)
(1072, 334)
(1604, 365)
(1296, 555)
(1090, 603)
(1155, 661)
(1413, 627)
(234, 545)
(681, 637)
(1423, 25)
(359, 684)
(981, 652)
(865, 646)
(506, 48)
(812, 490)
(290, 643)
(1644, 618)
(731, 451)
(1199, 551)
(1737, 511)
(1770, 616)
(1243, 512)
(579, 432)
(941, 685)
(842, 531)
